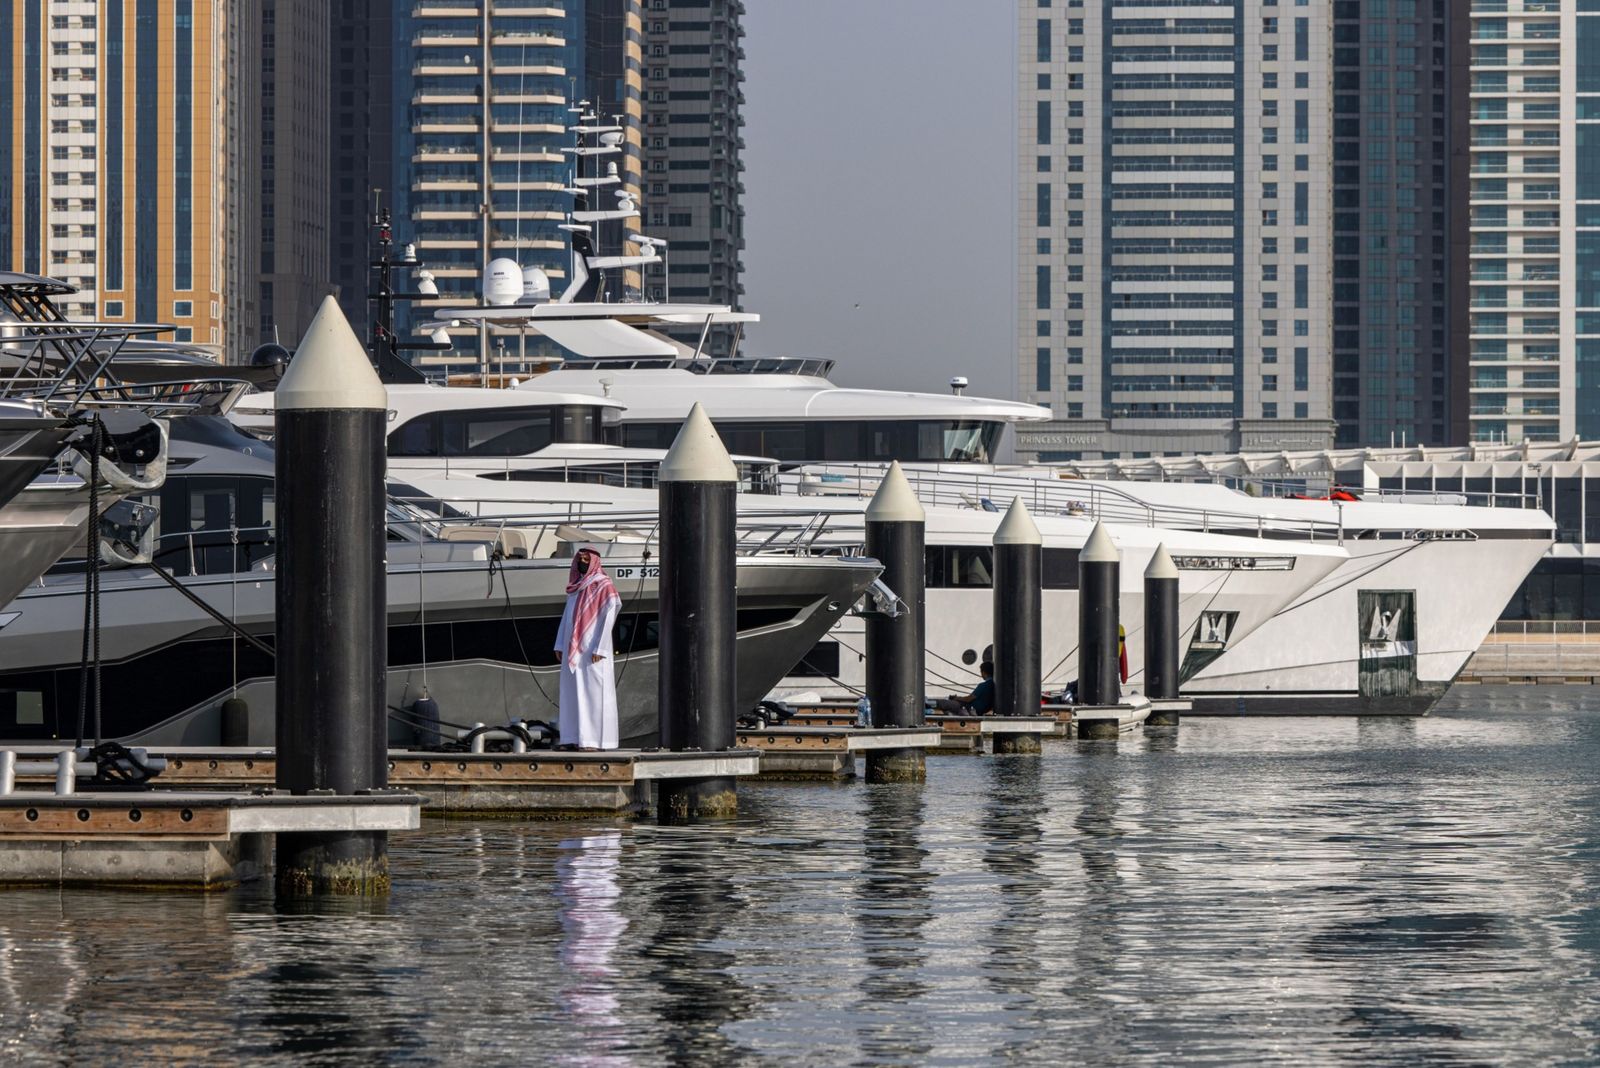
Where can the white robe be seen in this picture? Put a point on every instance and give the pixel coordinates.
(589, 691)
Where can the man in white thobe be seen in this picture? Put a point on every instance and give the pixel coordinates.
(588, 717)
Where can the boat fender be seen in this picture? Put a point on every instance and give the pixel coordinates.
(425, 712)
(235, 721)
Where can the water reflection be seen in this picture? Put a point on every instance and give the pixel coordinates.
(695, 993)
(892, 909)
(1096, 945)
(1012, 839)
(333, 978)
(587, 888)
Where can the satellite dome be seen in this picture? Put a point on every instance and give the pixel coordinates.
(535, 286)
(271, 354)
(502, 282)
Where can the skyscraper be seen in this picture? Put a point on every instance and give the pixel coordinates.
(294, 124)
(692, 139)
(361, 96)
(1534, 346)
(1399, 180)
(128, 163)
(1174, 226)
(467, 140)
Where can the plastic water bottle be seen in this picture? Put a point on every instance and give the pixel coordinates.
(863, 712)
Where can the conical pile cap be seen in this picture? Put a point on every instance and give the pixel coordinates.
(1099, 548)
(895, 501)
(1018, 527)
(697, 454)
(330, 369)
(1161, 565)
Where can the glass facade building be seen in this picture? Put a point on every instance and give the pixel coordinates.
(1175, 226)
(466, 108)
(1399, 178)
(693, 90)
(1535, 217)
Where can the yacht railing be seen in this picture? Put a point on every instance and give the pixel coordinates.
(65, 366)
(1474, 498)
(599, 471)
(792, 533)
(994, 490)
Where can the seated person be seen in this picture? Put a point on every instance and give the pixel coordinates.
(979, 702)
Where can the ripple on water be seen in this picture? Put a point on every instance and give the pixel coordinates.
(1287, 891)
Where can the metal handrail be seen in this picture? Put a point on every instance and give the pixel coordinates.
(775, 532)
(1049, 496)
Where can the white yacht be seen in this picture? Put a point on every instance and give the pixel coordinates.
(1385, 632)
(517, 456)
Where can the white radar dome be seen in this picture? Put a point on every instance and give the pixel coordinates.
(502, 282)
(535, 286)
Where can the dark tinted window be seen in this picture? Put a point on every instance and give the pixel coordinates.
(494, 431)
(842, 441)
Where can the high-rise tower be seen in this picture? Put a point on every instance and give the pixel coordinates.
(1174, 226)
(1399, 182)
(1534, 345)
(128, 159)
(693, 90)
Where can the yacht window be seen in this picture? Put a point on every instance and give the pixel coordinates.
(469, 434)
(579, 425)
(964, 443)
(202, 515)
(841, 441)
(417, 437)
(21, 708)
(1061, 569)
(972, 567)
(493, 431)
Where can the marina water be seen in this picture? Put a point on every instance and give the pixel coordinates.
(1239, 891)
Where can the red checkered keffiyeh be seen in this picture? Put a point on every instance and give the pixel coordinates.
(595, 591)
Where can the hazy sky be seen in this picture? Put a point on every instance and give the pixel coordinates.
(879, 188)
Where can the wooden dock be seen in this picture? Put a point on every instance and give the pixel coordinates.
(1108, 722)
(967, 733)
(809, 752)
(172, 838)
(539, 784)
